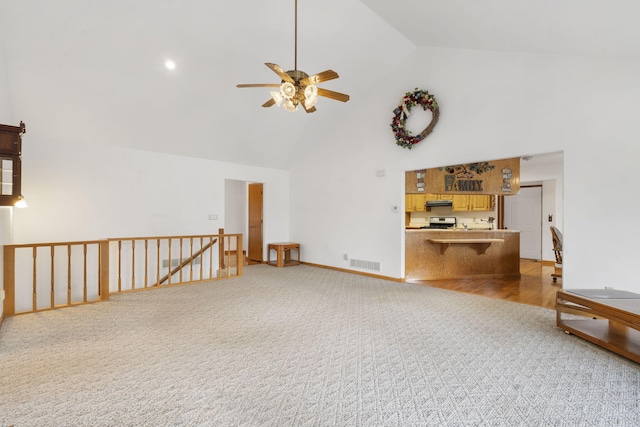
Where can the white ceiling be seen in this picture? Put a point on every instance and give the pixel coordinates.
(567, 27)
(91, 71)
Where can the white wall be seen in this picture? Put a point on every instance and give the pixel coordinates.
(493, 105)
(6, 221)
(82, 191)
(5, 102)
(235, 201)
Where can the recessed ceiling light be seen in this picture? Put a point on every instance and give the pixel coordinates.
(170, 64)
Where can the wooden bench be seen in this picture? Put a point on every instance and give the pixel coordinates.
(611, 318)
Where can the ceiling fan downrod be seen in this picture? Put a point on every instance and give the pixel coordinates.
(295, 44)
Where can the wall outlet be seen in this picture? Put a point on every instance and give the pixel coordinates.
(345, 257)
(213, 217)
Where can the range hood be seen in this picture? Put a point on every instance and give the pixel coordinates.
(435, 203)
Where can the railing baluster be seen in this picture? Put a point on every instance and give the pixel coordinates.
(69, 274)
(103, 270)
(226, 253)
(181, 245)
(221, 249)
(169, 260)
(239, 255)
(84, 273)
(119, 265)
(211, 257)
(146, 263)
(191, 257)
(158, 265)
(53, 280)
(133, 264)
(35, 279)
(201, 260)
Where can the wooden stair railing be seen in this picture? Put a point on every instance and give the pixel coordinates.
(46, 276)
(186, 262)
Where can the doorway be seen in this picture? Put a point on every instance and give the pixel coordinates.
(523, 212)
(255, 243)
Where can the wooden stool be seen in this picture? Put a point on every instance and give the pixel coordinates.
(283, 254)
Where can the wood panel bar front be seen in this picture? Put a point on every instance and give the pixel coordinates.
(458, 254)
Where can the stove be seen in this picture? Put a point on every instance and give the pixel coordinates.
(441, 222)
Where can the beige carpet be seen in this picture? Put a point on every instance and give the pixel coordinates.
(303, 346)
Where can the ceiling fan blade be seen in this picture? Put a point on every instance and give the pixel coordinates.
(320, 77)
(308, 110)
(279, 71)
(333, 95)
(259, 85)
(269, 103)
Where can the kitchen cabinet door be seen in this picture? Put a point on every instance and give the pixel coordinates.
(480, 203)
(460, 202)
(466, 202)
(430, 197)
(415, 202)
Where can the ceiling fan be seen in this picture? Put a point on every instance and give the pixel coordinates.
(297, 87)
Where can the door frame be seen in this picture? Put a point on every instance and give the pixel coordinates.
(255, 222)
(538, 218)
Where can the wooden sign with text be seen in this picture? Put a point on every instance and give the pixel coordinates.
(500, 177)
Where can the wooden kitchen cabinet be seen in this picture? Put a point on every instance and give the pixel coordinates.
(472, 202)
(431, 197)
(415, 202)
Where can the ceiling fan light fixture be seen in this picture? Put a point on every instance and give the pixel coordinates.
(277, 97)
(290, 106)
(311, 92)
(297, 87)
(288, 90)
(310, 102)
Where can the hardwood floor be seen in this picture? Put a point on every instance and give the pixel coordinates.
(535, 286)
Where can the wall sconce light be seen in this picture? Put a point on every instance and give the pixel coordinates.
(21, 203)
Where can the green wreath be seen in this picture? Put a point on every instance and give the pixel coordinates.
(411, 99)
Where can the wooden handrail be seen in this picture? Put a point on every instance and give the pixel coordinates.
(45, 245)
(186, 262)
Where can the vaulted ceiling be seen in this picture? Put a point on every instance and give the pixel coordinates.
(91, 71)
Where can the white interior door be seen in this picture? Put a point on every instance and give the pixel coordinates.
(524, 212)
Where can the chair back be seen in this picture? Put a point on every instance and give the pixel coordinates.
(556, 237)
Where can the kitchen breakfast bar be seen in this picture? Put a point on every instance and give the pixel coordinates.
(457, 254)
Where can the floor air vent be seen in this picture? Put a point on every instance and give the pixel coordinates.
(368, 265)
